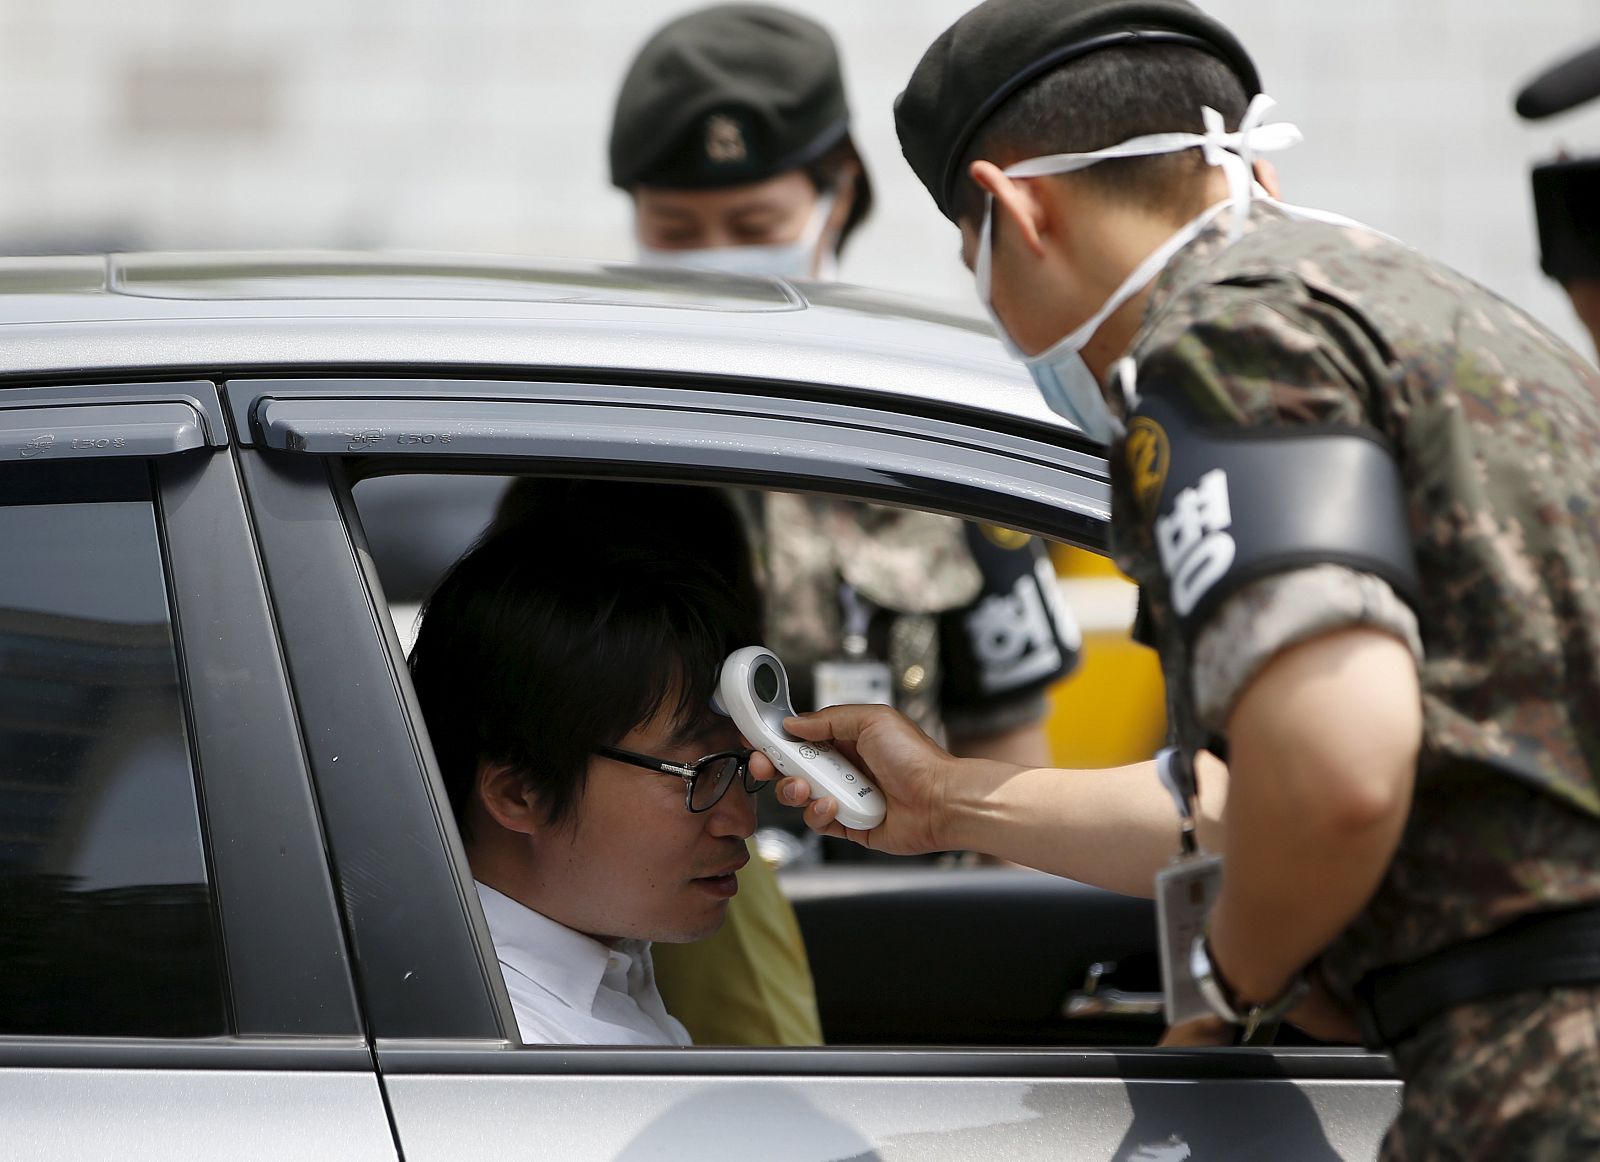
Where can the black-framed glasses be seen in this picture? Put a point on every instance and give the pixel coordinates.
(707, 779)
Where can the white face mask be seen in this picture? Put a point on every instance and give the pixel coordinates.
(797, 259)
(1068, 386)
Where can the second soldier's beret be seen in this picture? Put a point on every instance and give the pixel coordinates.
(1001, 45)
(727, 95)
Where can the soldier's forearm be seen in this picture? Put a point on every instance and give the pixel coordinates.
(1114, 828)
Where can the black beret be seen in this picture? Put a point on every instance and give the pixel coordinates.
(1001, 45)
(727, 95)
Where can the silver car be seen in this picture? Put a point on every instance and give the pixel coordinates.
(235, 918)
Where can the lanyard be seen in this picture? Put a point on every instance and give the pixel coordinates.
(1175, 762)
(1176, 767)
(856, 615)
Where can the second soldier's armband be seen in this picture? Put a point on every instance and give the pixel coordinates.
(1224, 506)
(1017, 636)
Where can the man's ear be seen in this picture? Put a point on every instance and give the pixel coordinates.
(1015, 200)
(507, 799)
(1267, 175)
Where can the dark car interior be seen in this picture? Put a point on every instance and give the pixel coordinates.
(904, 951)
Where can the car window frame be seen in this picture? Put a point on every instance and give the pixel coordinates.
(287, 952)
(998, 468)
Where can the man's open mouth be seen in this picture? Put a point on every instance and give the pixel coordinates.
(725, 881)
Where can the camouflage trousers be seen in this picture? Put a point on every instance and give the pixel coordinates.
(1514, 1077)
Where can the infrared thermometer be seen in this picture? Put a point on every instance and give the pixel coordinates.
(753, 690)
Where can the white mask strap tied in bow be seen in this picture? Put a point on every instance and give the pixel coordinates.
(1234, 153)
(1064, 381)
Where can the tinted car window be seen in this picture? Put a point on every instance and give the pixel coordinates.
(106, 920)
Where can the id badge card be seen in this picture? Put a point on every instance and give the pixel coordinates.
(1185, 891)
(849, 682)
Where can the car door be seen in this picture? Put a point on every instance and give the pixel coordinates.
(173, 977)
(457, 1083)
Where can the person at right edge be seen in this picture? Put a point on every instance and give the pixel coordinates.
(1361, 497)
(1566, 191)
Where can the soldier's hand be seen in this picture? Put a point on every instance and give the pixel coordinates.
(1324, 1016)
(1199, 1033)
(909, 768)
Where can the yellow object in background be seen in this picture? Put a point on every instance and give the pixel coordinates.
(1112, 709)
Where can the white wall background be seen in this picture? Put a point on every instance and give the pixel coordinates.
(481, 124)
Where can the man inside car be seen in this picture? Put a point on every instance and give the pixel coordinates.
(565, 671)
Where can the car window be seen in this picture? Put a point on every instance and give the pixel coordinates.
(871, 922)
(106, 919)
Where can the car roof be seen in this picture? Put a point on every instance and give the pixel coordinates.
(138, 315)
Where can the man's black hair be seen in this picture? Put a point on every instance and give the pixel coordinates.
(1103, 99)
(583, 612)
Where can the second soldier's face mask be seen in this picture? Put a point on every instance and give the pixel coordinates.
(1068, 386)
(797, 259)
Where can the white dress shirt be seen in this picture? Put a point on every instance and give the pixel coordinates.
(570, 989)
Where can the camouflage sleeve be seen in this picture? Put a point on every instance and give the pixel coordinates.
(1257, 356)
(1277, 612)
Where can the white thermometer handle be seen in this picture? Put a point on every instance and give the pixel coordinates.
(754, 691)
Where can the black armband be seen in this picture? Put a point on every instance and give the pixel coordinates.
(1016, 636)
(1228, 505)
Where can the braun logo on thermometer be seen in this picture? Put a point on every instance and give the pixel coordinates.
(754, 691)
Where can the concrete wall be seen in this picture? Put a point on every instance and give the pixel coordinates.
(480, 124)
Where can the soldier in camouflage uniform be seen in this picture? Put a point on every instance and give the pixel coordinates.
(732, 137)
(1361, 495)
(1497, 427)
(966, 618)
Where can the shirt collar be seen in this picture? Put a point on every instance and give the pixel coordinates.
(558, 959)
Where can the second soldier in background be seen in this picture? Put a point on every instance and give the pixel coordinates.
(732, 136)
